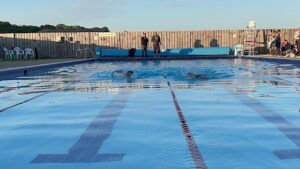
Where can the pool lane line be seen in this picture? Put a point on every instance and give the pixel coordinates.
(15, 105)
(192, 145)
(278, 78)
(289, 130)
(86, 149)
(30, 99)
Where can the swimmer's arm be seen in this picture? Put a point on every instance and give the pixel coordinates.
(116, 71)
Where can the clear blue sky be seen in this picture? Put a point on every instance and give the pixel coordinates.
(154, 15)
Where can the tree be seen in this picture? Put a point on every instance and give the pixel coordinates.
(43, 27)
(6, 27)
(4, 24)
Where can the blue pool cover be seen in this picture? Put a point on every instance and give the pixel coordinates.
(171, 52)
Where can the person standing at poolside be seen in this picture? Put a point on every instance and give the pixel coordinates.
(156, 44)
(144, 43)
(297, 38)
(278, 42)
(271, 43)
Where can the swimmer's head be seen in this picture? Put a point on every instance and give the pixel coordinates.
(190, 74)
(130, 73)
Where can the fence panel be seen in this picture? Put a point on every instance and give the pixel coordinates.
(67, 45)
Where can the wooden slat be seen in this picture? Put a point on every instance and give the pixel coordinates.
(47, 45)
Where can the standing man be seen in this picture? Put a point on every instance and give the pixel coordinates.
(278, 42)
(297, 38)
(156, 44)
(144, 43)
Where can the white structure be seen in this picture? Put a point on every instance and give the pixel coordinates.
(19, 52)
(250, 38)
(238, 50)
(9, 54)
(29, 52)
(251, 25)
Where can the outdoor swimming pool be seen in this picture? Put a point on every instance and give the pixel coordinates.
(245, 115)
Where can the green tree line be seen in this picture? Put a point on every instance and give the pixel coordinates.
(6, 27)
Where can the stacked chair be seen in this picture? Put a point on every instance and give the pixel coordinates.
(17, 53)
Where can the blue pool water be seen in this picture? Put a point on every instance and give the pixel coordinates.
(244, 115)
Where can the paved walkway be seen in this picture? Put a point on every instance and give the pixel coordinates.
(23, 63)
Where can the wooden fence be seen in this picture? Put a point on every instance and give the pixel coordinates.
(71, 45)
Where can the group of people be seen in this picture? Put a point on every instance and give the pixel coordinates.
(156, 44)
(284, 47)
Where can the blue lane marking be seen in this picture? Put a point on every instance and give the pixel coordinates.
(291, 131)
(86, 148)
(288, 154)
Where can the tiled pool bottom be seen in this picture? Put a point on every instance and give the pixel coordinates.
(79, 117)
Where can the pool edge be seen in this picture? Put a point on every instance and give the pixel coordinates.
(19, 71)
(280, 60)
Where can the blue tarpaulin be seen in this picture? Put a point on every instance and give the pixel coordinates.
(171, 52)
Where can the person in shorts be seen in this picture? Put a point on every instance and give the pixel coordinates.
(278, 42)
(271, 43)
(144, 45)
(297, 39)
(272, 40)
(156, 44)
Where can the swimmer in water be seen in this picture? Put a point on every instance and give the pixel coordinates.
(196, 76)
(127, 74)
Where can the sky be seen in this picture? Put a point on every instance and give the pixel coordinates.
(154, 15)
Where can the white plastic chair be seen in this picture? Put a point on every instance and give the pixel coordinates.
(29, 52)
(238, 50)
(8, 53)
(19, 52)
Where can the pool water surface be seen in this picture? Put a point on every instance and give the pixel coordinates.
(243, 115)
